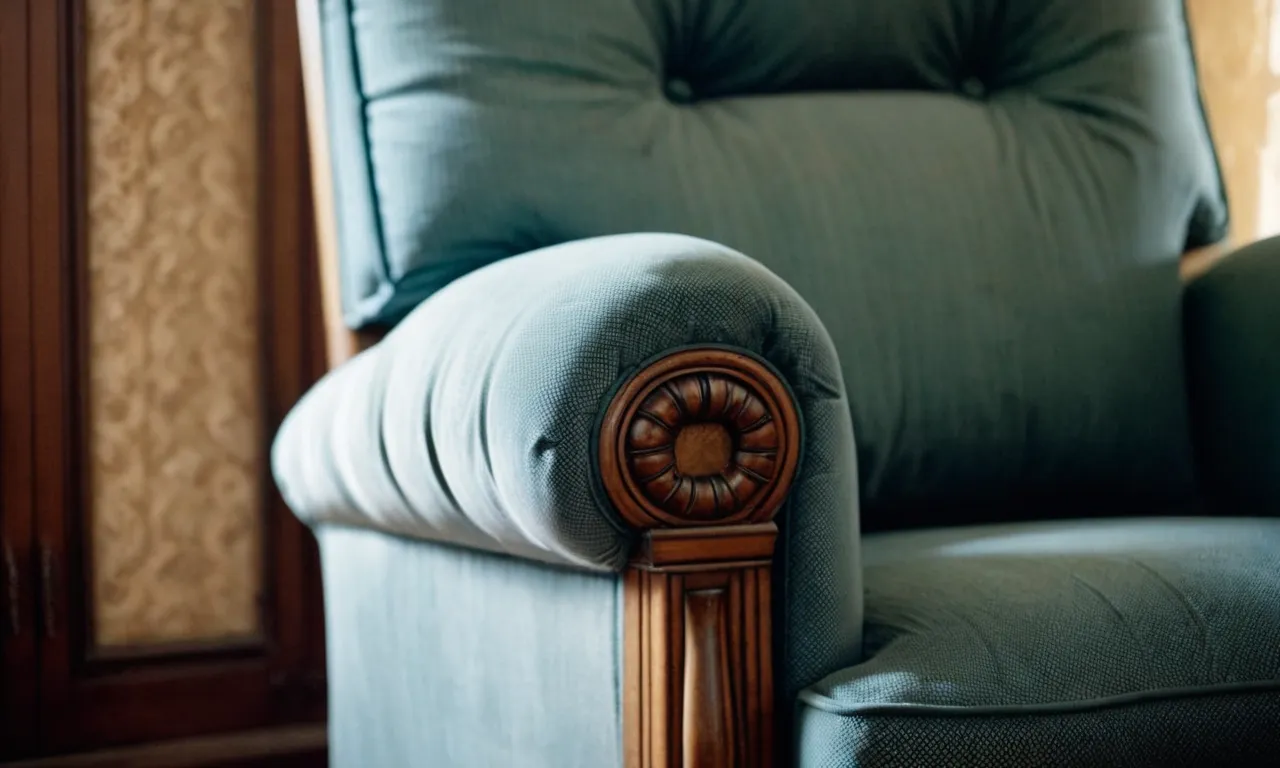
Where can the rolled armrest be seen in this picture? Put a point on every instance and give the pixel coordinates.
(476, 420)
(1232, 320)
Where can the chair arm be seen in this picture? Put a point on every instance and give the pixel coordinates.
(1232, 326)
(476, 420)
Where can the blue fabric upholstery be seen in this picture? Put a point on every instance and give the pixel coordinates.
(982, 204)
(472, 422)
(1233, 346)
(1126, 643)
(443, 657)
(983, 201)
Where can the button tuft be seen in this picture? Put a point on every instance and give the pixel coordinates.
(973, 88)
(679, 91)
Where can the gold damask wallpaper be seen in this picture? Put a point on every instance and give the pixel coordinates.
(1238, 49)
(175, 422)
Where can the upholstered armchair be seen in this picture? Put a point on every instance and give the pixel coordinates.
(755, 382)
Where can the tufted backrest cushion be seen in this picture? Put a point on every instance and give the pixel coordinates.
(984, 200)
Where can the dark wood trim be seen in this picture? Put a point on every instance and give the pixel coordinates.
(54, 398)
(73, 124)
(294, 611)
(19, 658)
(111, 659)
(147, 704)
(698, 451)
(295, 747)
(670, 549)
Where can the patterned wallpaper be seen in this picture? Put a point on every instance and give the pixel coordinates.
(175, 422)
(1238, 48)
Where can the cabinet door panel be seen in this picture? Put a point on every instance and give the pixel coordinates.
(172, 296)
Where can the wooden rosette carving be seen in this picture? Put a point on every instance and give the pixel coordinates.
(704, 437)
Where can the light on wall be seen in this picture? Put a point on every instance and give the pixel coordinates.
(1238, 52)
(1269, 194)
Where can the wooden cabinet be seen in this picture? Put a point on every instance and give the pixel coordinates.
(158, 316)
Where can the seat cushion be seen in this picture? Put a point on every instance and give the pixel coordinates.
(1117, 643)
(983, 201)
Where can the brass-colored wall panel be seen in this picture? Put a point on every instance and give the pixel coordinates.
(1238, 50)
(175, 420)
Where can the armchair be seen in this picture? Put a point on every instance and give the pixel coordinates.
(947, 469)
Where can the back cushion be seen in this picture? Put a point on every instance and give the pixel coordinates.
(984, 200)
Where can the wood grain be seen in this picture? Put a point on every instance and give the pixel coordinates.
(710, 714)
(290, 747)
(698, 667)
(18, 644)
(709, 548)
(698, 677)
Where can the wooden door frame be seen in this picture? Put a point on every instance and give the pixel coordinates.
(89, 698)
(18, 648)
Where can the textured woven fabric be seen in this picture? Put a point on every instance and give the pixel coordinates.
(1235, 730)
(1125, 643)
(446, 658)
(983, 201)
(1233, 345)
(472, 421)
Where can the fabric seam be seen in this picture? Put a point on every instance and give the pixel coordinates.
(357, 85)
(826, 704)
